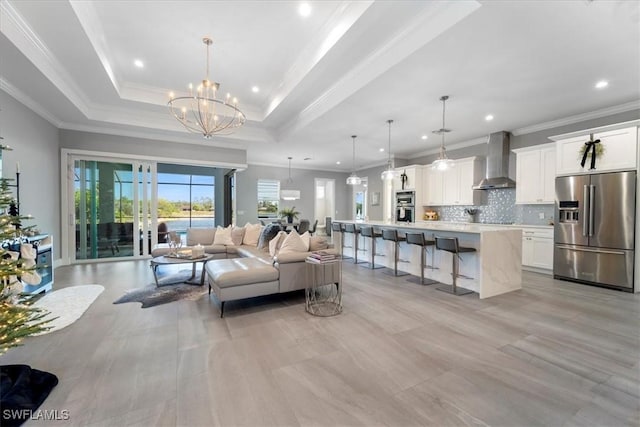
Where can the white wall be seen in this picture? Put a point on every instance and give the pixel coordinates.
(35, 146)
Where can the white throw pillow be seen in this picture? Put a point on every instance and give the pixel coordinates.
(306, 237)
(223, 236)
(293, 243)
(251, 234)
(274, 244)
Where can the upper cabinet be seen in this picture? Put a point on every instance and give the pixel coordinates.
(536, 174)
(413, 180)
(453, 186)
(619, 150)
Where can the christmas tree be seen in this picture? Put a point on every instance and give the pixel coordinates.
(18, 318)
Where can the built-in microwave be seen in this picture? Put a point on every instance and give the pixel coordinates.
(405, 198)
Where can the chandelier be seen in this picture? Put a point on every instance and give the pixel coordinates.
(202, 112)
(443, 162)
(389, 174)
(353, 178)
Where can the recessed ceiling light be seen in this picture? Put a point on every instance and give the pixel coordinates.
(488, 117)
(602, 84)
(382, 150)
(304, 9)
(338, 162)
(255, 89)
(138, 63)
(424, 137)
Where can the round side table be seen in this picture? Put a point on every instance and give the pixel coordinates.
(324, 294)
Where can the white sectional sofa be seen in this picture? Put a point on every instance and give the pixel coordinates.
(242, 270)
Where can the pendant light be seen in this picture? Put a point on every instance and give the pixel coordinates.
(389, 174)
(353, 178)
(443, 162)
(289, 194)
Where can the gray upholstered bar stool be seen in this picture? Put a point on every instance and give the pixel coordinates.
(419, 239)
(337, 227)
(352, 229)
(393, 236)
(372, 234)
(450, 244)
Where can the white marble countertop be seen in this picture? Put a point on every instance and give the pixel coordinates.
(461, 227)
(484, 224)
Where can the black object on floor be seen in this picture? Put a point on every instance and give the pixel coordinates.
(22, 391)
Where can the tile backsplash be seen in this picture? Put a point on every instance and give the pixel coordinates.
(501, 208)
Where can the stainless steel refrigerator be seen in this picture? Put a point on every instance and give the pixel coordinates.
(594, 229)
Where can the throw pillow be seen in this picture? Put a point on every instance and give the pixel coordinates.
(305, 238)
(223, 236)
(276, 242)
(203, 236)
(293, 243)
(269, 232)
(237, 234)
(317, 243)
(251, 234)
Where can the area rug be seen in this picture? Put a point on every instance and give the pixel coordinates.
(66, 305)
(152, 295)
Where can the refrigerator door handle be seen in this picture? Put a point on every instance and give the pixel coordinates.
(598, 251)
(592, 199)
(585, 207)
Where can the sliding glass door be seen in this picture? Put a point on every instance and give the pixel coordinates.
(112, 216)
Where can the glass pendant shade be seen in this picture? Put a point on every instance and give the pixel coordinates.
(389, 174)
(442, 163)
(353, 178)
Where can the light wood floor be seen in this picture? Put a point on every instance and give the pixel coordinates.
(553, 354)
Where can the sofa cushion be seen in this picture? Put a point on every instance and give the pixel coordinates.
(317, 243)
(240, 271)
(293, 243)
(276, 242)
(223, 236)
(306, 237)
(203, 236)
(247, 251)
(237, 234)
(215, 249)
(251, 234)
(269, 232)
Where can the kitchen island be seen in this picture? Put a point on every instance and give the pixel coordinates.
(494, 268)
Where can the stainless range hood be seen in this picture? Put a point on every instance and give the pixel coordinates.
(497, 175)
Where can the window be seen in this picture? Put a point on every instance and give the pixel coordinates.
(268, 198)
(186, 200)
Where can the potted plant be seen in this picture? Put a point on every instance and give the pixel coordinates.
(290, 213)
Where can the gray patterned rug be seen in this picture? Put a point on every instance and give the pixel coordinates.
(152, 295)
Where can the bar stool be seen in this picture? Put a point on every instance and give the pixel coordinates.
(337, 228)
(373, 235)
(352, 229)
(393, 236)
(419, 239)
(450, 244)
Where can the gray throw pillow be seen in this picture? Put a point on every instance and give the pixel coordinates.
(270, 231)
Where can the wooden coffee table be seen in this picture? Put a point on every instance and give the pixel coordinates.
(170, 260)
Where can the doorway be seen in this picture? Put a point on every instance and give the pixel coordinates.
(325, 202)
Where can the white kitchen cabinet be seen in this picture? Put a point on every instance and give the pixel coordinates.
(454, 186)
(414, 178)
(432, 187)
(537, 249)
(536, 174)
(620, 149)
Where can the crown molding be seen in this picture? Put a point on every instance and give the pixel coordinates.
(16, 29)
(312, 168)
(450, 147)
(604, 112)
(28, 102)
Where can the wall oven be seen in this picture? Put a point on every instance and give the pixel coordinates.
(405, 206)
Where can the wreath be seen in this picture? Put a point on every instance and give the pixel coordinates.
(593, 149)
(599, 150)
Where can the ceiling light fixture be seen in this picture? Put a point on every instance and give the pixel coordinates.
(138, 63)
(443, 162)
(381, 150)
(289, 180)
(424, 137)
(255, 89)
(353, 178)
(488, 117)
(602, 84)
(304, 9)
(389, 173)
(202, 112)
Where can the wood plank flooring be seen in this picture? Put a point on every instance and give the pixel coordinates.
(553, 354)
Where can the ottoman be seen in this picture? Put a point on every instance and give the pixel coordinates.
(239, 278)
